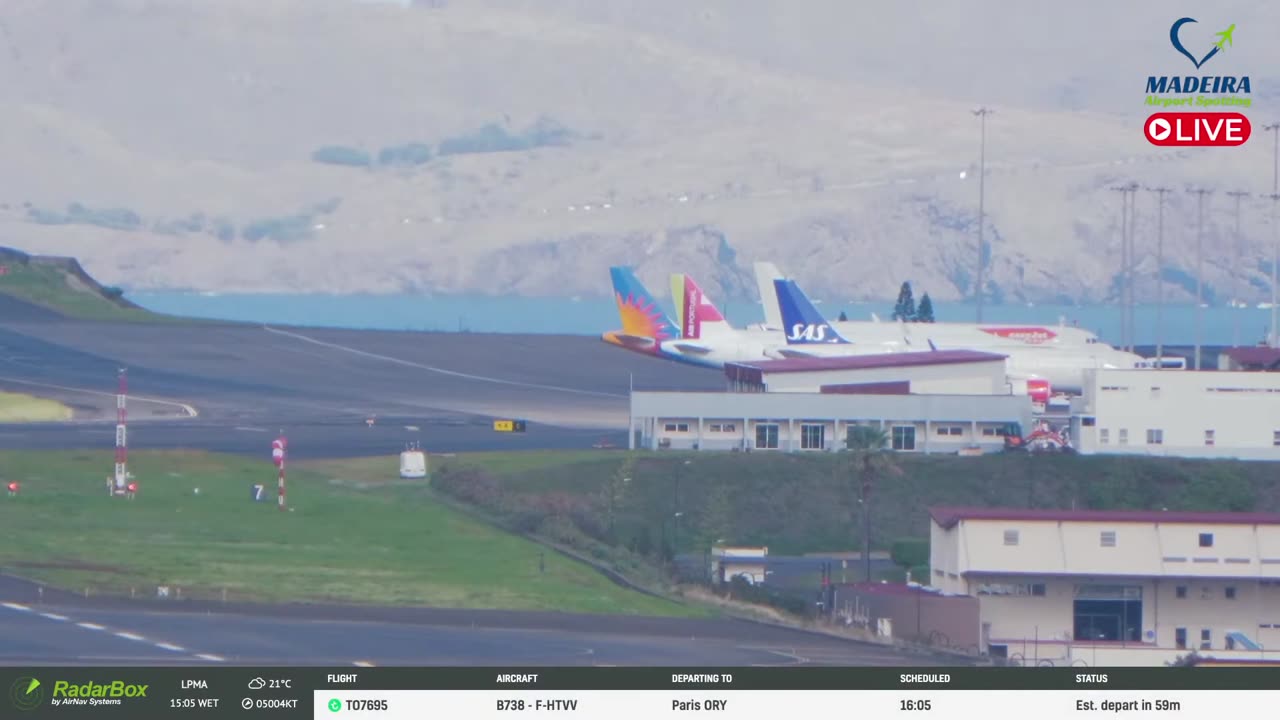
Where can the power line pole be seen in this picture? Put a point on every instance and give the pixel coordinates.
(1125, 191)
(1235, 270)
(981, 113)
(1201, 192)
(1160, 191)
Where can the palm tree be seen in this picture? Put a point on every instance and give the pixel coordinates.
(869, 459)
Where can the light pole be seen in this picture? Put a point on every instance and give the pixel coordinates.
(1160, 191)
(1201, 192)
(1274, 129)
(981, 113)
(1235, 270)
(1133, 262)
(1125, 192)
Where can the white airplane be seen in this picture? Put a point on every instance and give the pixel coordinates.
(1038, 369)
(968, 335)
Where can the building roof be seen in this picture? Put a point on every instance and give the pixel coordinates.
(949, 517)
(1264, 357)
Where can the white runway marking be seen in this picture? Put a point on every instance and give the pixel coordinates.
(54, 616)
(188, 409)
(442, 371)
(129, 636)
(168, 646)
(90, 626)
(123, 634)
(211, 658)
(16, 606)
(363, 663)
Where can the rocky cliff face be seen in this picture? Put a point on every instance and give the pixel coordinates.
(523, 147)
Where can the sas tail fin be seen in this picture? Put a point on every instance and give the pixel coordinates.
(803, 323)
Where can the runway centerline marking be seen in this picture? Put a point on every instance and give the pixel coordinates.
(90, 626)
(442, 371)
(16, 606)
(123, 634)
(211, 658)
(55, 616)
(130, 636)
(170, 646)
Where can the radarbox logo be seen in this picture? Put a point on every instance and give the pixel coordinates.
(26, 694)
(1199, 90)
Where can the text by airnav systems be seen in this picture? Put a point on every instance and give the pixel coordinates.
(1198, 125)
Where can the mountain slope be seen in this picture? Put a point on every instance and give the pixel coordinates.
(828, 137)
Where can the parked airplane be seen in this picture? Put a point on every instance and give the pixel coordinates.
(977, 336)
(1061, 368)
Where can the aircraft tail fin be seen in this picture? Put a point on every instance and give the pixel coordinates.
(638, 309)
(803, 323)
(699, 317)
(766, 273)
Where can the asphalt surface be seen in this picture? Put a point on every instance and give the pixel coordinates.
(62, 629)
(320, 385)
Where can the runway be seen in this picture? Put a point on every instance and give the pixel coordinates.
(320, 385)
(61, 629)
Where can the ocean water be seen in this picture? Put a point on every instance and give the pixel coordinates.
(592, 316)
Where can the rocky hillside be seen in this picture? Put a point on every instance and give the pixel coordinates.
(502, 146)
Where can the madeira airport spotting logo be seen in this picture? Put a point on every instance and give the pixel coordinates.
(1200, 90)
(26, 694)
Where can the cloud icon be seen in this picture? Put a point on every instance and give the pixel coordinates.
(257, 683)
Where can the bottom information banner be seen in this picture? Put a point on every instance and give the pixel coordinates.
(782, 704)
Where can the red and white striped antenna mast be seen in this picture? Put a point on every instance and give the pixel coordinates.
(122, 440)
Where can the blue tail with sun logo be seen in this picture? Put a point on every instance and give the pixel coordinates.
(641, 315)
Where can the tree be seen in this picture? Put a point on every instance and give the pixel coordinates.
(910, 553)
(843, 317)
(869, 460)
(924, 313)
(717, 516)
(905, 308)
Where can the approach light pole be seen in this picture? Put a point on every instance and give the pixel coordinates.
(1201, 193)
(1160, 191)
(981, 113)
(1235, 270)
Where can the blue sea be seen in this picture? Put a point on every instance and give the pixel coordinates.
(592, 316)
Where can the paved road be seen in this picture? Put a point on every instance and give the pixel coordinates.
(63, 629)
(321, 384)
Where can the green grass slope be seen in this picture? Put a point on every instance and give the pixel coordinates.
(808, 503)
(353, 534)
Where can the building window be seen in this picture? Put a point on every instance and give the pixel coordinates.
(714, 428)
(1124, 436)
(729, 427)
(904, 437)
(1155, 391)
(1208, 438)
(1180, 638)
(677, 427)
(767, 436)
(1104, 436)
(1275, 438)
(1010, 537)
(1014, 589)
(1108, 538)
(1206, 639)
(1155, 437)
(1180, 592)
(812, 436)
(1206, 539)
(949, 430)
(1231, 593)
(1089, 422)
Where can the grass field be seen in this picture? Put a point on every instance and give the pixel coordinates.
(354, 533)
(17, 408)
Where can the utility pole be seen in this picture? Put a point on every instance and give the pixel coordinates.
(1160, 191)
(1235, 270)
(1125, 192)
(981, 113)
(1133, 263)
(1274, 129)
(1201, 192)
